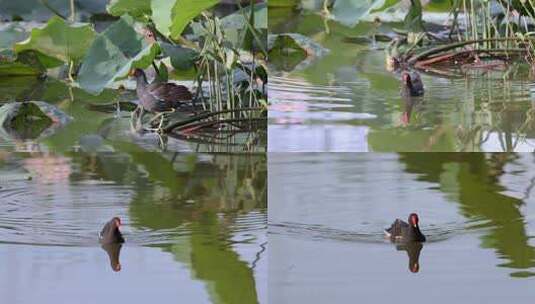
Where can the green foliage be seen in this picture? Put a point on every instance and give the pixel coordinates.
(162, 15)
(350, 12)
(26, 63)
(239, 31)
(135, 8)
(171, 19)
(10, 35)
(181, 58)
(413, 20)
(59, 41)
(113, 53)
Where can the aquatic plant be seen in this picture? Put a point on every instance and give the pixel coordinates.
(177, 39)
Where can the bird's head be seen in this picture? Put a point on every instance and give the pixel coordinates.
(136, 72)
(117, 222)
(413, 219)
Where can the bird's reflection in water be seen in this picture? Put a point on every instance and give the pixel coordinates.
(410, 103)
(413, 251)
(113, 250)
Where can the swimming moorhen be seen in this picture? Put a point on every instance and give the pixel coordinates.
(412, 84)
(110, 234)
(401, 231)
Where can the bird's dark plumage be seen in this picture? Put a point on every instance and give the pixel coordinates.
(401, 231)
(412, 84)
(159, 96)
(111, 234)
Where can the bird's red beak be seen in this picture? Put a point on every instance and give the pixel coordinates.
(406, 78)
(415, 268)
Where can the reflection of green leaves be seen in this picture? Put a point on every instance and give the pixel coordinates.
(59, 41)
(25, 119)
(288, 50)
(171, 20)
(181, 58)
(26, 64)
(32, 119)
(412, 141)
(135, 8)
(113, 53)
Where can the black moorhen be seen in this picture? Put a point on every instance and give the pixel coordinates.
(158, 97)
(401, 231)
(412, 84)
(110, 234)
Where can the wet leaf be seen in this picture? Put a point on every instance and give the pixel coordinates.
(238, 20)
(350, 12)
(236, 26)
(11, 35)
(182, 58)
(113, 53)
(161, 15)
(163, 73)
(171, 18)
(35, 10)
(135, 8)
(59, 41)
(413, 20)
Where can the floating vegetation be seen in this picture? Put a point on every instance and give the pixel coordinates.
(219, 56)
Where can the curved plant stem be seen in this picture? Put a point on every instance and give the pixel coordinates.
(205, 116)
(452, 46)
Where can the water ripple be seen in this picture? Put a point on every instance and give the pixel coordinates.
(320, 232)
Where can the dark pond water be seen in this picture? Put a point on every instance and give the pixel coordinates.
(195, 227)
(327, 213)
(346, 100)
(97, 126)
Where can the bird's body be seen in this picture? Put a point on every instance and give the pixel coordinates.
(159, 96)
(401, 231)
(412, 84)
(110, 233)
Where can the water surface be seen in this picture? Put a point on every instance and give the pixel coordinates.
(328, 211)
(98, 127)
(195, 227)
(346, 100)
